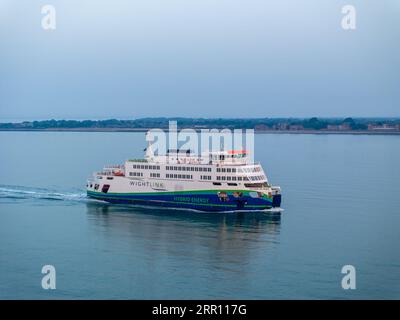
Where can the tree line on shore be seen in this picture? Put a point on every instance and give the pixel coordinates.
(313, 123)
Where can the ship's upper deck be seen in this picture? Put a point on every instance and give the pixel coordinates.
(219, 158)
(218, 168)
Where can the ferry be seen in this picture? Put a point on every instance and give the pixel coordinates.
(222, 181)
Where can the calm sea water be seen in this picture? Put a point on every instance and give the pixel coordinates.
(341, 195)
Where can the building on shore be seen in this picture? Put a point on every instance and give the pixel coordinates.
(339, 127)
(384, 127)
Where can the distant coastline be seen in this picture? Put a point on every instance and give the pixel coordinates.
(370, 126)
(353, 132)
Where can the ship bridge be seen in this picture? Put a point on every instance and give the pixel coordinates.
(231, 157)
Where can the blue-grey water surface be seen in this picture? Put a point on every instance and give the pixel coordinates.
(341, 200)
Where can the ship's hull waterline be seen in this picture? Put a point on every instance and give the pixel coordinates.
(206, 200)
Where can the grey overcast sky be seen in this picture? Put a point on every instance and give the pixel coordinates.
(198, 58)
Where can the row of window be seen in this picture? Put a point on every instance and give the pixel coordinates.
(136, 174)
(108, 178)
(250, 170)
(226, 169)
(220, 184)
(179, 176)
(145, 166)
(228, 178)
(154, 175)
(257, 178)
(247, 170)
(202, 177)
(201, 169)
